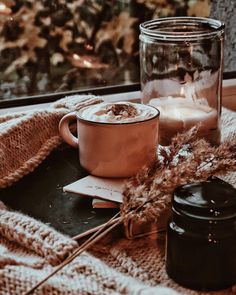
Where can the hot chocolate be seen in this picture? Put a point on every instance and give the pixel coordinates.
(114, 139)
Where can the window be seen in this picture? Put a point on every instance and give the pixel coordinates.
(60, 45)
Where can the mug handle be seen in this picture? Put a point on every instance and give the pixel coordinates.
(65, 132)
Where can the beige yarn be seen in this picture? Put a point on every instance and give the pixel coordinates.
(228, 130)
(29, 249)
(27, 138)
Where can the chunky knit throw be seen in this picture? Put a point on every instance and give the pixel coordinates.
(27, 138)
(29, 250)
(228, 130)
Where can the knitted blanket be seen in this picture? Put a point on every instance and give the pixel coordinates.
(27, 138)
(29, 250)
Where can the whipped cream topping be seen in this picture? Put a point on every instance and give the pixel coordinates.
(118, 112)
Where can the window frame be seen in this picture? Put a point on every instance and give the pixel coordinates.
(105, 90)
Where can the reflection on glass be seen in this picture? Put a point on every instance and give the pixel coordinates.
(181, 74)
(52, 46)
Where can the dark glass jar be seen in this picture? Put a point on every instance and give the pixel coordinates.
(201, 236)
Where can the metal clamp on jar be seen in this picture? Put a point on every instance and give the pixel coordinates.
(201, 236)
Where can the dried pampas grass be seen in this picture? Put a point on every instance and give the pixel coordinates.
(186, 160)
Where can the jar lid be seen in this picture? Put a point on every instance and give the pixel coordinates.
(213, 199)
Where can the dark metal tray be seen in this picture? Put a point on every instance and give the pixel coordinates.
(40, 195)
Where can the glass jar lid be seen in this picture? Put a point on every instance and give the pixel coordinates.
(182, 28)
(213, 199)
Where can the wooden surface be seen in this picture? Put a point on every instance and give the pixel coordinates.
(40, 195)
(229, 94)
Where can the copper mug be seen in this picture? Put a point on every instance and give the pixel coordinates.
(117, 149)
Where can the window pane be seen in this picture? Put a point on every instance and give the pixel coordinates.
(61, 45)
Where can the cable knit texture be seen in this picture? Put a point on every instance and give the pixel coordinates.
(27, 138)
(29, 250)
(228, 130)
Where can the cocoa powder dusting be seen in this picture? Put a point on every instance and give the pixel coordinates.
(123, 110)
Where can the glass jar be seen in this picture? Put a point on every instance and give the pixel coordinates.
(181, 74)
(201, 236)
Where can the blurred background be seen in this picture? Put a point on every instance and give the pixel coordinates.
(61, 45)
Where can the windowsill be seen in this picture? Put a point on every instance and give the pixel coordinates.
(229, 94)
(228, 100)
